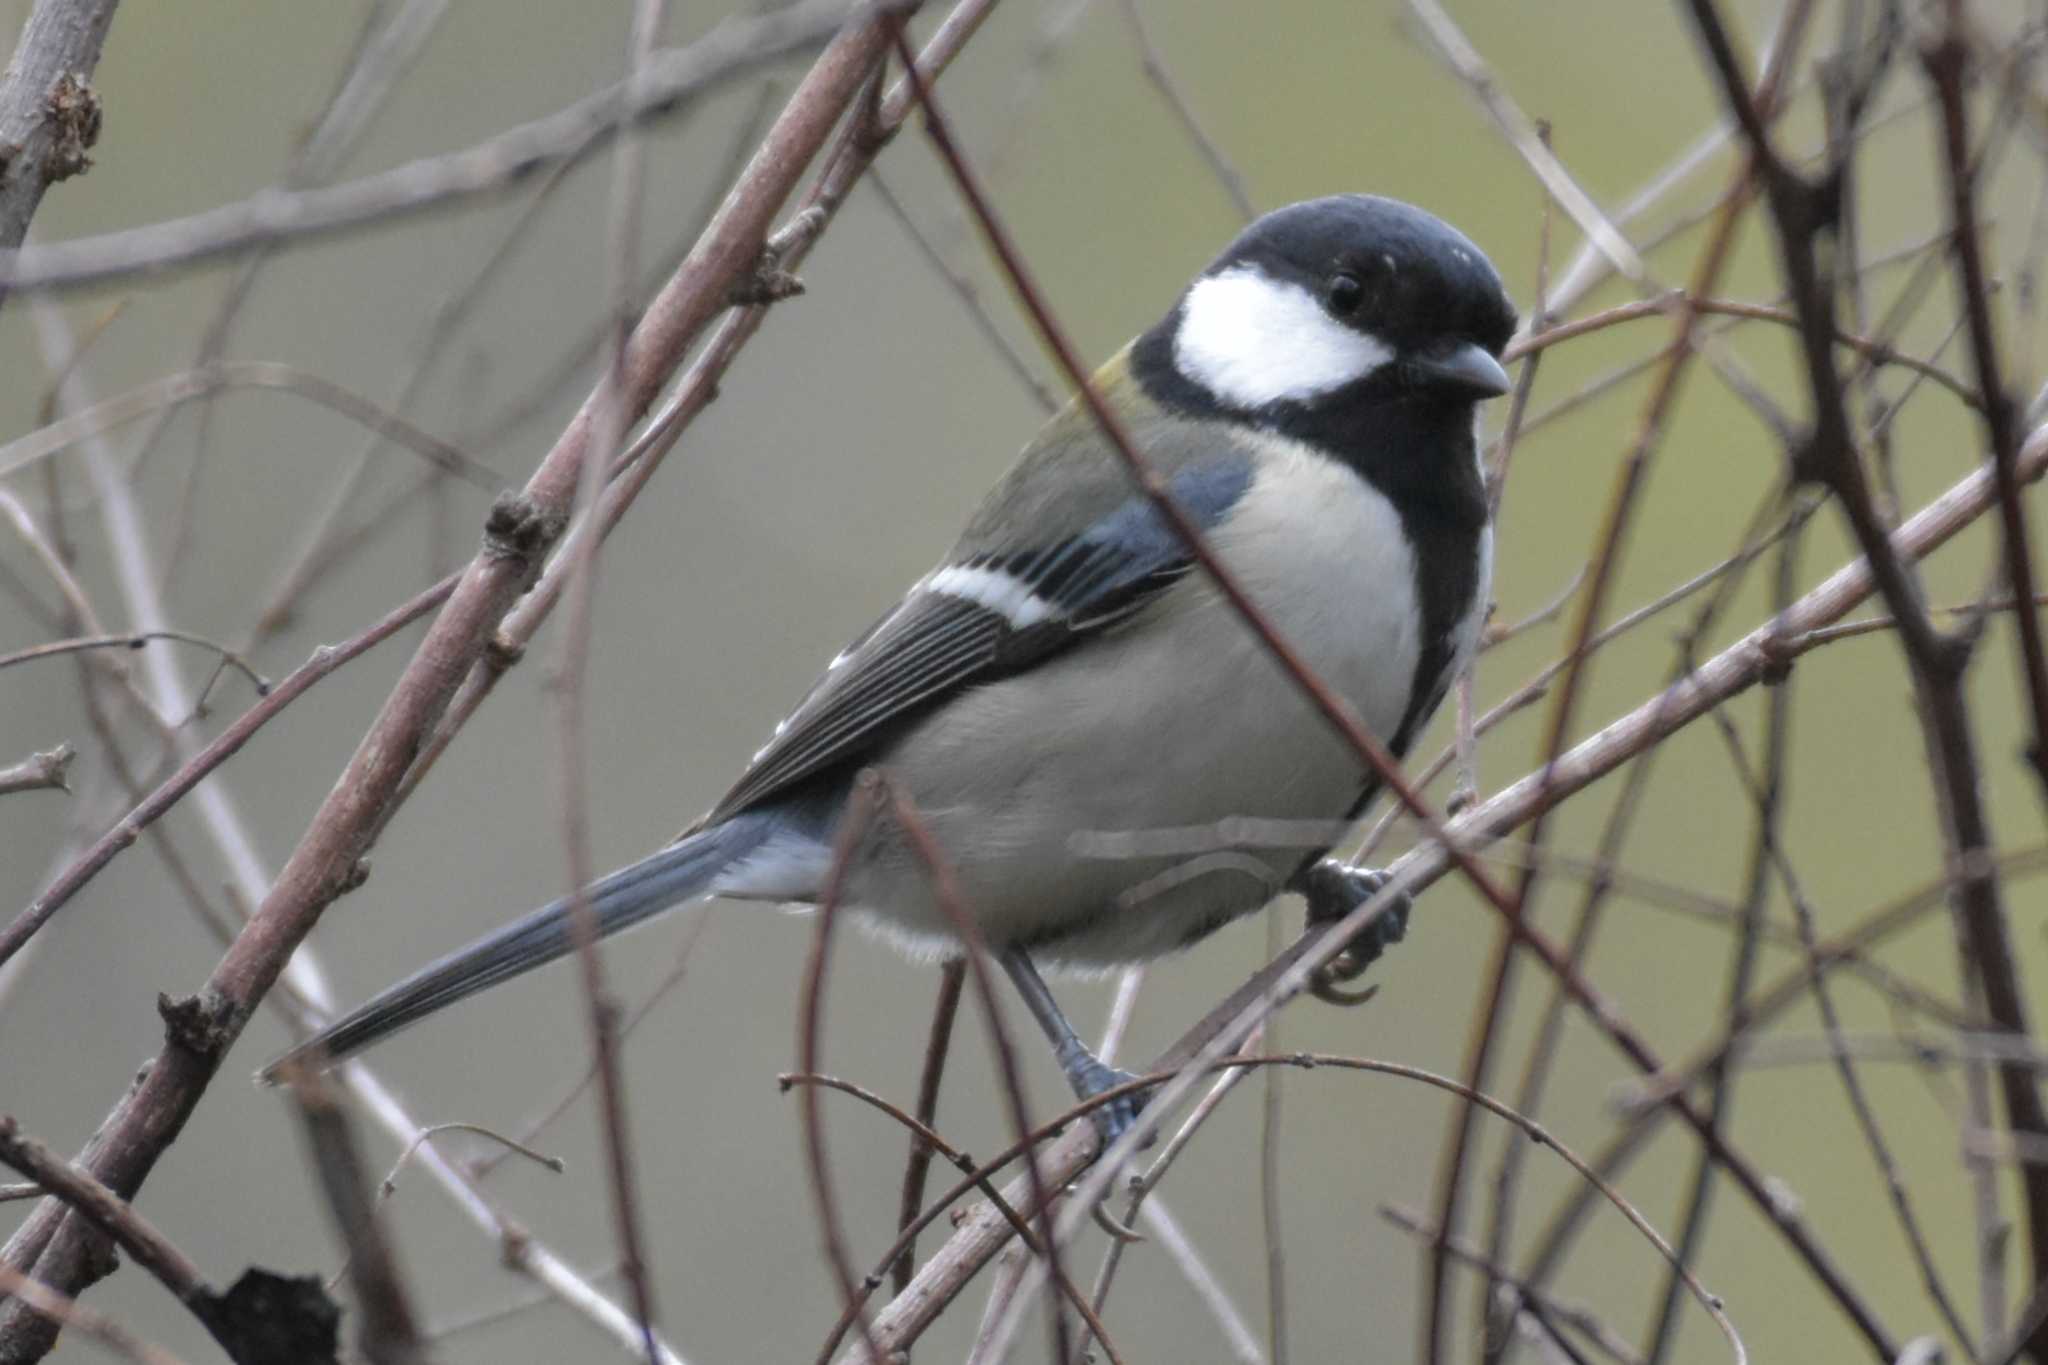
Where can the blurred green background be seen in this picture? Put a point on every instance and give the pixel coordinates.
(849, 442)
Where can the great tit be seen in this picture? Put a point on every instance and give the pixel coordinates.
(1067, 672)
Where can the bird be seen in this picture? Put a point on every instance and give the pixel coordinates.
(1068, 674)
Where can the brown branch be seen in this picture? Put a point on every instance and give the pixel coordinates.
(916, 1169)
(854, 824)
(479, 1169)
(194, 770)
(931, 1140)
(946, 892)
(106, 1211)
(1877, 352)
(521, 529)
(1945, 62)
(1530, 1128)
(1616, 520)
(571, 668)
(1806, 215)
(699, 386)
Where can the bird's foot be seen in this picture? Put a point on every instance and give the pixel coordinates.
(1090, 1076)
(1334, 891)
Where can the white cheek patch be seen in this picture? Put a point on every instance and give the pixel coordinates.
(992, 588)
(1251, 340)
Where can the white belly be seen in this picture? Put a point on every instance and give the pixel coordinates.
(1040, 786)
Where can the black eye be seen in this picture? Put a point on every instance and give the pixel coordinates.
(1346, 293)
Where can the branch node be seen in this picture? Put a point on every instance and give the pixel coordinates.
(514, 1246)
(350, 878)
(501, 652)
(518, 528)
(73, 107)
(201, 1024)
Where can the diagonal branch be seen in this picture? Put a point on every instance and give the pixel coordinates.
(521, 529)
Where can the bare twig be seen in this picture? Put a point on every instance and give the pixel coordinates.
(519, 533)
(1945, 61)
(42, 771)
(228, 657)
(194, 770)
(25, 451)
(1227, 175)
(1548, 1314)
(1534, 1131)
(699, 385)
(675, 78)
(70, 1313)
(110, 1214)
(1806, 214)
(946, 893)
(601, 1009)
(938, 1043)
(970, 297)
(854, 825)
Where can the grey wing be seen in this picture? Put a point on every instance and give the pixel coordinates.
(988, 614)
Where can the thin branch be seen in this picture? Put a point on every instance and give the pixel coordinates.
(970, 297)
(1945, 62)
(1547, 1313)
(572, 660)
(1879, 354)
(1227, 175)
(699, 386)
(70, 1313)
(110, 1214)
(938, 1042)
(520, 531)
(1806, 215)
(136, 640)
(194, 770)
(25, 451)
(675, 78)
(44, 771)
(854, 825)
(946, 893)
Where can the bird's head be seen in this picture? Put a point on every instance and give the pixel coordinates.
(1346, 303)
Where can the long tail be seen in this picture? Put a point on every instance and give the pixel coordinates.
(684, 870)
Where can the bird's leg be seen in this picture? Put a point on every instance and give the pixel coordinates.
(1086, 1073)
(1333, 891)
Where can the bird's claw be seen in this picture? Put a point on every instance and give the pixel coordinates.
(1090, 1077)
(1334, 891)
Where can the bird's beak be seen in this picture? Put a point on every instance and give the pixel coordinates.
(1466, 368)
